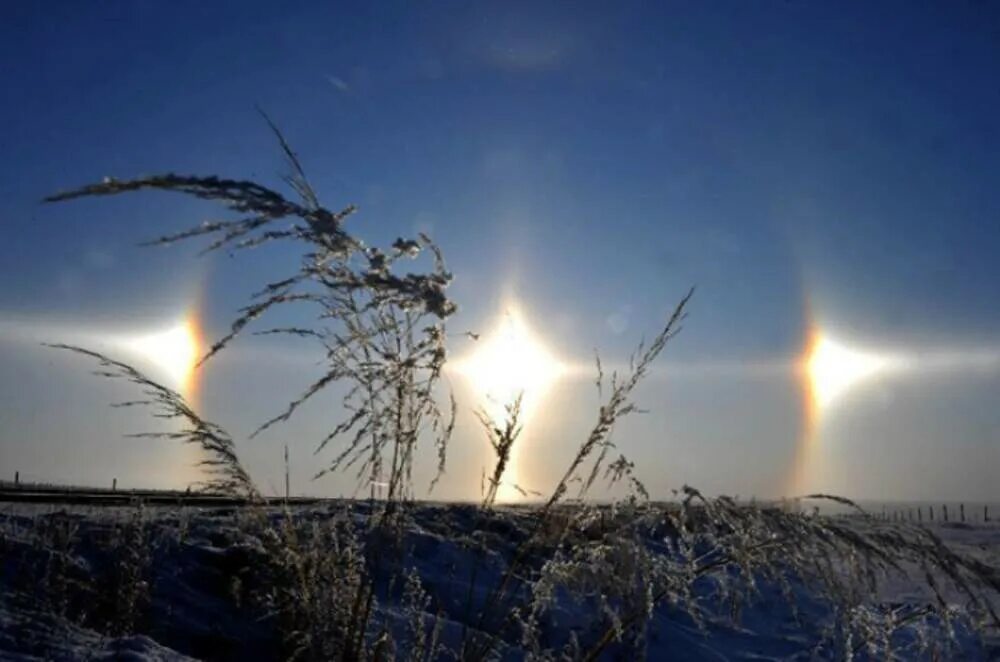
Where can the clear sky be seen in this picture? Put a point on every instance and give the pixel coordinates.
(813, 168)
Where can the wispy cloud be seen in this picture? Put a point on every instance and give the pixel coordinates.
(339, 84)
(522, 43)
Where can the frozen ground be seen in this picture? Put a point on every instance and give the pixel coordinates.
(62, 588)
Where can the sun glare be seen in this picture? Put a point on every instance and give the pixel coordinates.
(833, 368)
(174, 352)
(829, 369)
(511, 361)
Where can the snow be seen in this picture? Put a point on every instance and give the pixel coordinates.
(198, 610)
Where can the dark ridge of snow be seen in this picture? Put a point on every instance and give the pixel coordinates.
(29, 634)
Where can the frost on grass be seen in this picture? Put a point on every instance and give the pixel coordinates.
(379, 330)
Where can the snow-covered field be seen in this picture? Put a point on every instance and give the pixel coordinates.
(174, 584)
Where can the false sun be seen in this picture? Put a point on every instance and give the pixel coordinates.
(174, 352)
(832, 368)
(828, 369)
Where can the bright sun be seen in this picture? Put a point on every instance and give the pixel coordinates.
(833, 369)
(174, 352)
(511, 361)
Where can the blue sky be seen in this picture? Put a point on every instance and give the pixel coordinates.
(834, 159)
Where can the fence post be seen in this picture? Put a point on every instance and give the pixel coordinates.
(288, 489)
(114, 484)
(944, 512)
(961, 512)
(986, 513)
(17, 478)
(920, 513)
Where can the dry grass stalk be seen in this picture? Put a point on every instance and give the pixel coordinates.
(226, 474)
(381, 331)
(502, 442)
